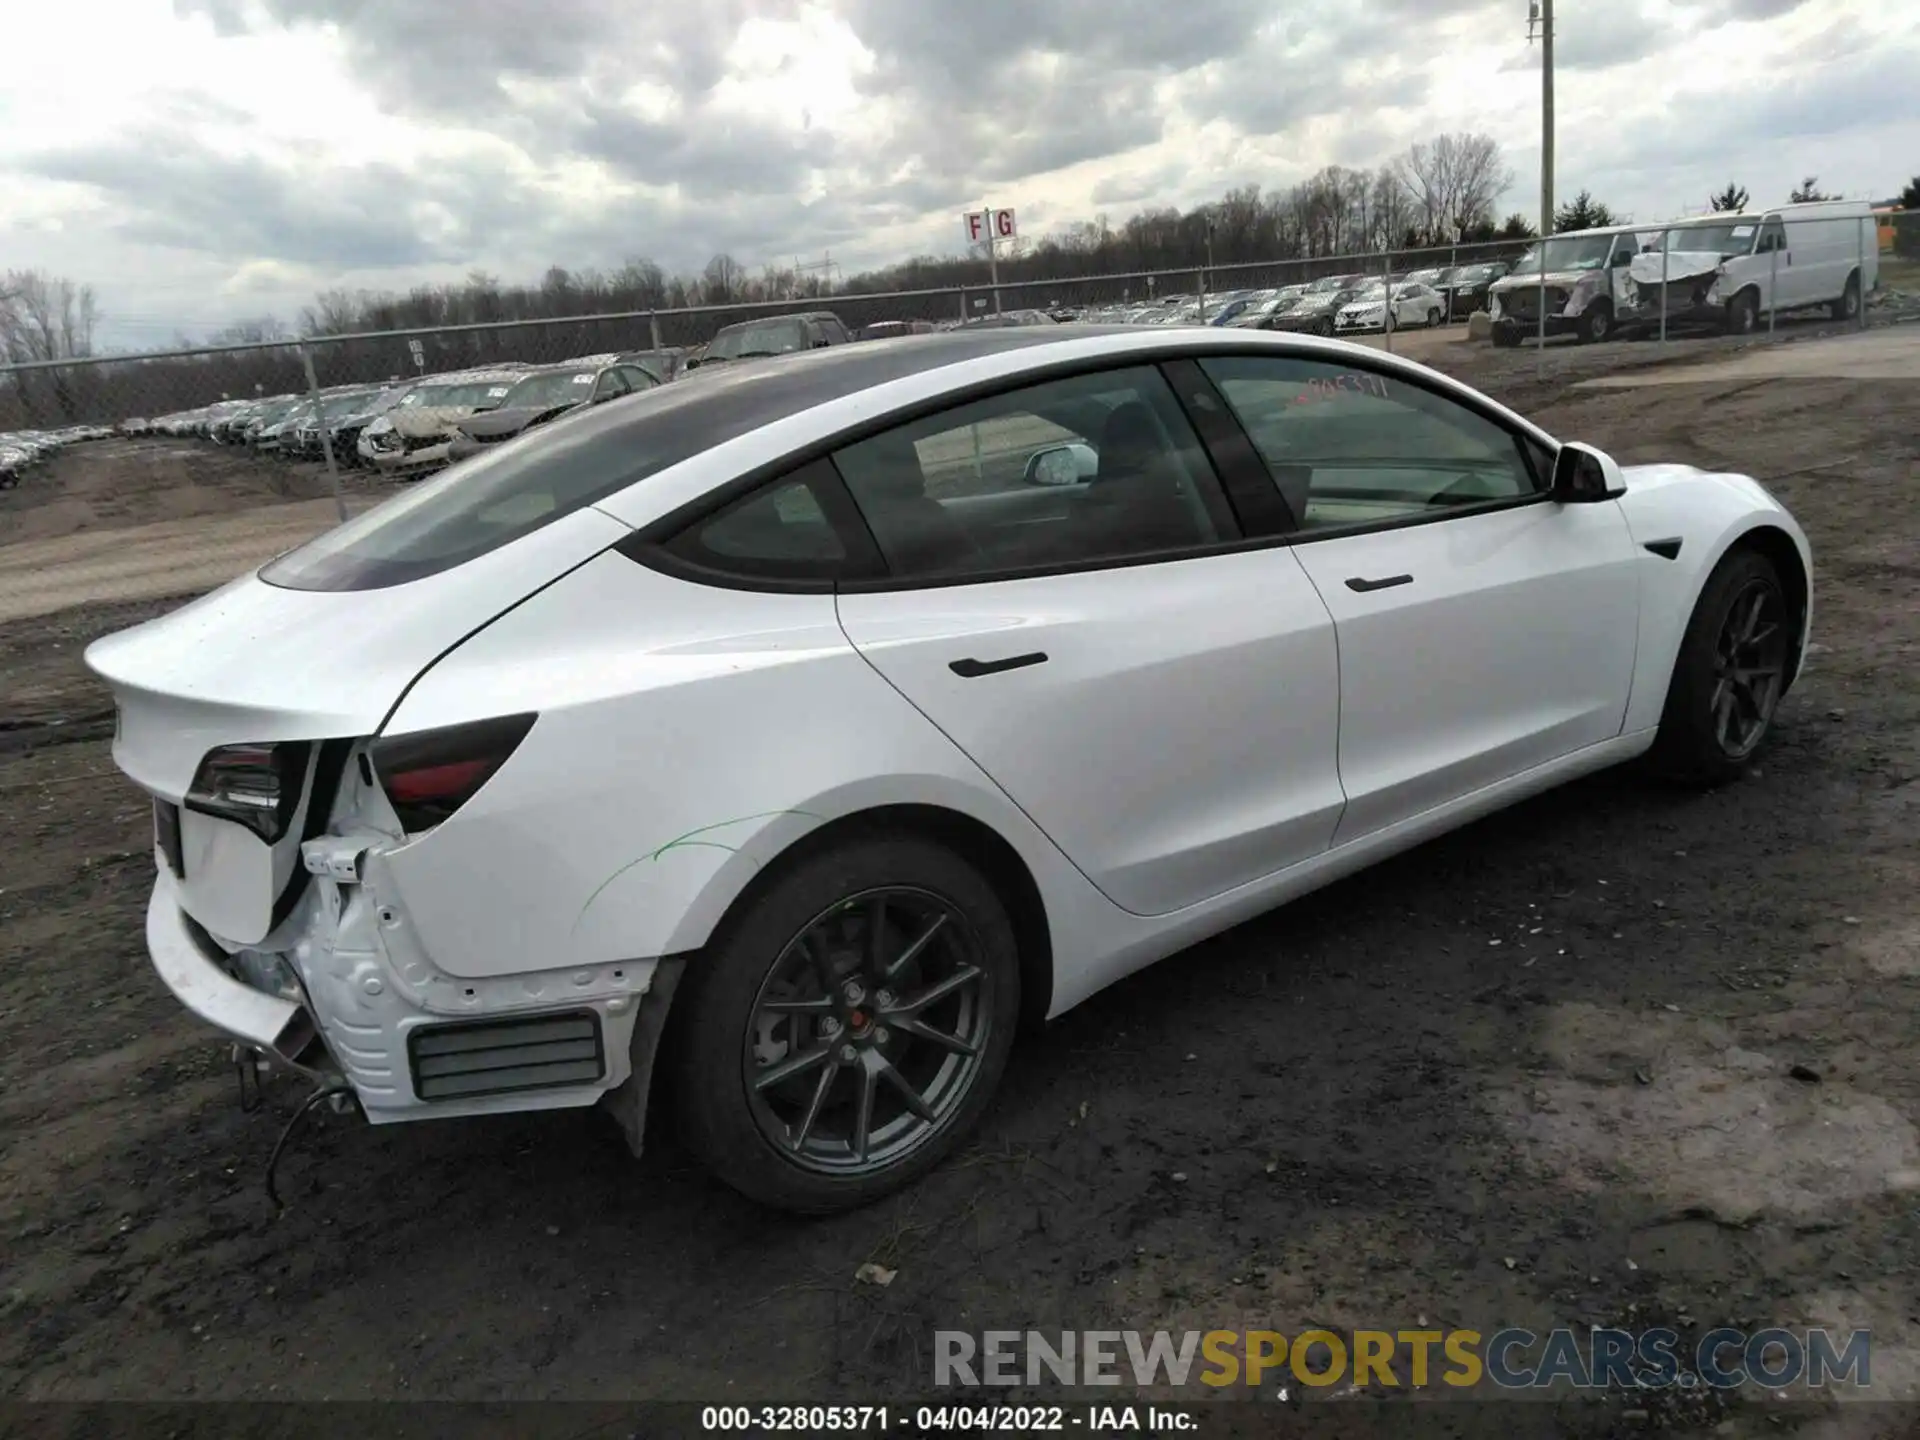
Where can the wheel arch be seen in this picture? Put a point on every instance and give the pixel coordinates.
(1779, 548)
(632, 1103)
(967, 835)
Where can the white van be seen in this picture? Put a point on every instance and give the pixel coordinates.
(1733, 269)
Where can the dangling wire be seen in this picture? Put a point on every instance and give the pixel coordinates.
(251, 1095)
(307, 1107)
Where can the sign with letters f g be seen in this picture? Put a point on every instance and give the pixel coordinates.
(986, 226)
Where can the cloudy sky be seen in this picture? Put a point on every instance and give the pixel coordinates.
(199, 161)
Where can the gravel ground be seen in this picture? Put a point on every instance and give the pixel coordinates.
(1619, 1056)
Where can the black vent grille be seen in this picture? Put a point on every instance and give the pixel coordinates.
(492, 1057)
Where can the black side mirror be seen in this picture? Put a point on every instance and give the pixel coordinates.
(1583, 475)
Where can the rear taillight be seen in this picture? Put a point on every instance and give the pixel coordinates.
(257, 786)
(431, 773)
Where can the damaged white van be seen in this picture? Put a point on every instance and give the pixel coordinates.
(1585, 277)
(1732, 270)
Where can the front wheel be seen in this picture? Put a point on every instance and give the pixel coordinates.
(1743, 313)
(1433, 319)
(847, 1028)
(1730, 674)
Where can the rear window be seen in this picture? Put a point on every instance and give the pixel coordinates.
(476, 506)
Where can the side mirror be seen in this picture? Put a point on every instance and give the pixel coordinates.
(1069, 464)
(1583, 475)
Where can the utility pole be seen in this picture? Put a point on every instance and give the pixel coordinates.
(1540, 20)
(1540, 26)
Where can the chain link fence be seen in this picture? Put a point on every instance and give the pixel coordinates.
(1664, 280)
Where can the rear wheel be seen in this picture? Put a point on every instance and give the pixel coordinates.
(1847, 307)
(1743, 313)
(1506, 336)
(848, 1027)
(1730, 673)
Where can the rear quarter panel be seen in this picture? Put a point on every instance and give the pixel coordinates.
(687, 736)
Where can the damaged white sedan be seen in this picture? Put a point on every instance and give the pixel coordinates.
(807, 726)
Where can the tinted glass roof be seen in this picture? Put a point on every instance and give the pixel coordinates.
(490, 500)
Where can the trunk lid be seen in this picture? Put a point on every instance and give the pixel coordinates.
(254, 663)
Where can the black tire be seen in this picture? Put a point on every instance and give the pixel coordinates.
(1323, 327)
(1433, 319)
(714, 1016)
(1847, 307)
(1506, 336)
(1689, 747)
(1743, 313)
(1596, 324)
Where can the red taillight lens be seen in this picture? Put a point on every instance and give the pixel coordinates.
(431, 773)
(255, 785)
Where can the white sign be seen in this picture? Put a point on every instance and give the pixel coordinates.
(416, 347)
(983, 225)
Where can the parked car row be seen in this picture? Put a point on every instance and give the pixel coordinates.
(21, 450)
(1334, 304)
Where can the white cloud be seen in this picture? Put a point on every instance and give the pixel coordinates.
(223, 157)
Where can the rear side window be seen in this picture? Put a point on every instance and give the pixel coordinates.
(783, 531)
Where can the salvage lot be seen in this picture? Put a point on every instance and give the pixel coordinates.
(1540, 1072)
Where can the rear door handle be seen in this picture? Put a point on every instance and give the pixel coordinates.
(1362, 584)
(972, 669)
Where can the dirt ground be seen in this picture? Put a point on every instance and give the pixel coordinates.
(1621, 1056)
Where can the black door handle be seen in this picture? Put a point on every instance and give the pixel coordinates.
(1362, 584)
(971, 669)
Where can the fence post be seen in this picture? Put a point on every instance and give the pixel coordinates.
(326, 440)
(1861, 260)
(1773, 280)
(653, 329)
(1666, 237)
(1540, 348)
(1453, 279)
(1386, 314)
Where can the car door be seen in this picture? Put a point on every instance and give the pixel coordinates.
(1161, 699)
(1484, 629)
(1796, 262)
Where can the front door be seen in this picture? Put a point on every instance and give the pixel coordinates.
(1166, 710)
(1484, 629)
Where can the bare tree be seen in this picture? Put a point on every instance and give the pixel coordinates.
(1453, 183)
(45, 317)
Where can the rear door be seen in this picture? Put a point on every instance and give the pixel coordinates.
(1162, 700)
(1483, 629)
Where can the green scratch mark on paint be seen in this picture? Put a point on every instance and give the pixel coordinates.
(689, 841)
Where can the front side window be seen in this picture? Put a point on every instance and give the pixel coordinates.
(1080, 471)
(1354, 447)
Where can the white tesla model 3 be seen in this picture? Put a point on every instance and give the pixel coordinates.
(811, 723)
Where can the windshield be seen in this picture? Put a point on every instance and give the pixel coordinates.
(1473, 274)
(471, 395)
(1569, 252)
(541, 392)
(347, 404)
(1731, 239)
(272, 411)
(758, 337)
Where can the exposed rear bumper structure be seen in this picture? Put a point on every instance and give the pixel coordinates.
(284, 1029)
